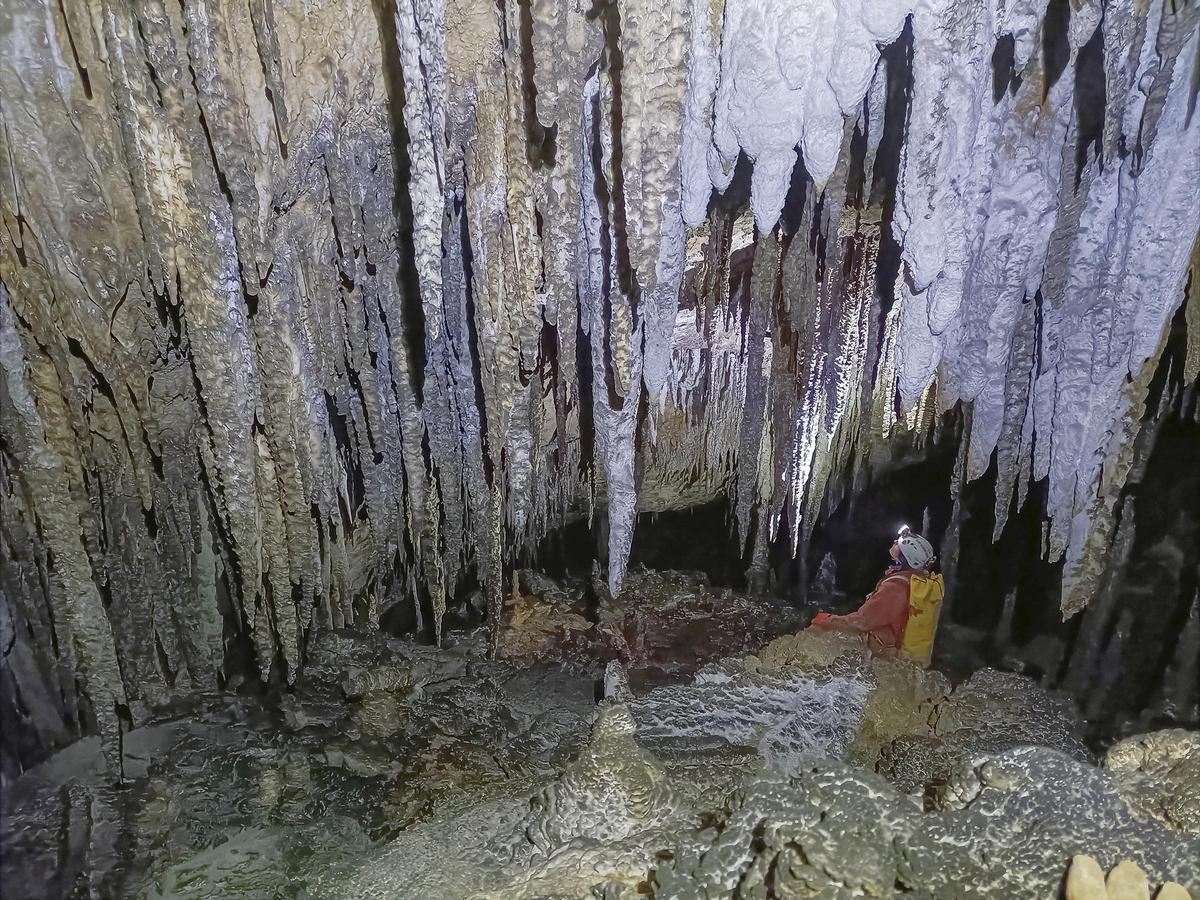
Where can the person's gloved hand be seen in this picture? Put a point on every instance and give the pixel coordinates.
(819, 618)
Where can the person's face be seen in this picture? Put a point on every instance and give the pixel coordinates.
(895, 551)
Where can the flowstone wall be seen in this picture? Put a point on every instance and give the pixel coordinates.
(309, 309)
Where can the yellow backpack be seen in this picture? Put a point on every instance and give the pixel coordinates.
(925, 595)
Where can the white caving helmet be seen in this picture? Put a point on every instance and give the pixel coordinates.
(917, 551)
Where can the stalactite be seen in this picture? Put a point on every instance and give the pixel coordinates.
(559, 78)
(951, 541)
(421, 37)
(652, 44)
(1086, 654)
(934, 315)
(82, 631)
(788, 77)
(615, 424)
(292, 306)
(704, 29)
(1013, 437)
(762, 302)
(1191, 365)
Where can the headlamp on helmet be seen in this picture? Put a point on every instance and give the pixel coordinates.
(917, 551)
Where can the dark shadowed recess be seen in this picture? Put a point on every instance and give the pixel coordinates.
(698, 538)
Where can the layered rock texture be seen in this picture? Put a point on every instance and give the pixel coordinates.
(395, 770)
(311, 310)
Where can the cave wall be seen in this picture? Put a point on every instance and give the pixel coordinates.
(311, 309)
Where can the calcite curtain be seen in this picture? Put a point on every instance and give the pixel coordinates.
(312, 308)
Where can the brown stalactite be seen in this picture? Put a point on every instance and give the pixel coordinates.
(1191, 365)
(82, 632)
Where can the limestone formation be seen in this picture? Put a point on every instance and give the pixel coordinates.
(830, 828)
(318, 314)
(999, 710)
(611, 790)
(1159, 774)
(483, 780)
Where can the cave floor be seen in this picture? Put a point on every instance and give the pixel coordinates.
(378, 732)
(267, 795)
(726, 757)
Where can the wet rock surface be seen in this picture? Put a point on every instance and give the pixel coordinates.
(807, 768)
(829, 828)
(1008, 824)
(235, 802)
(292, 298)
(1159, 774)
